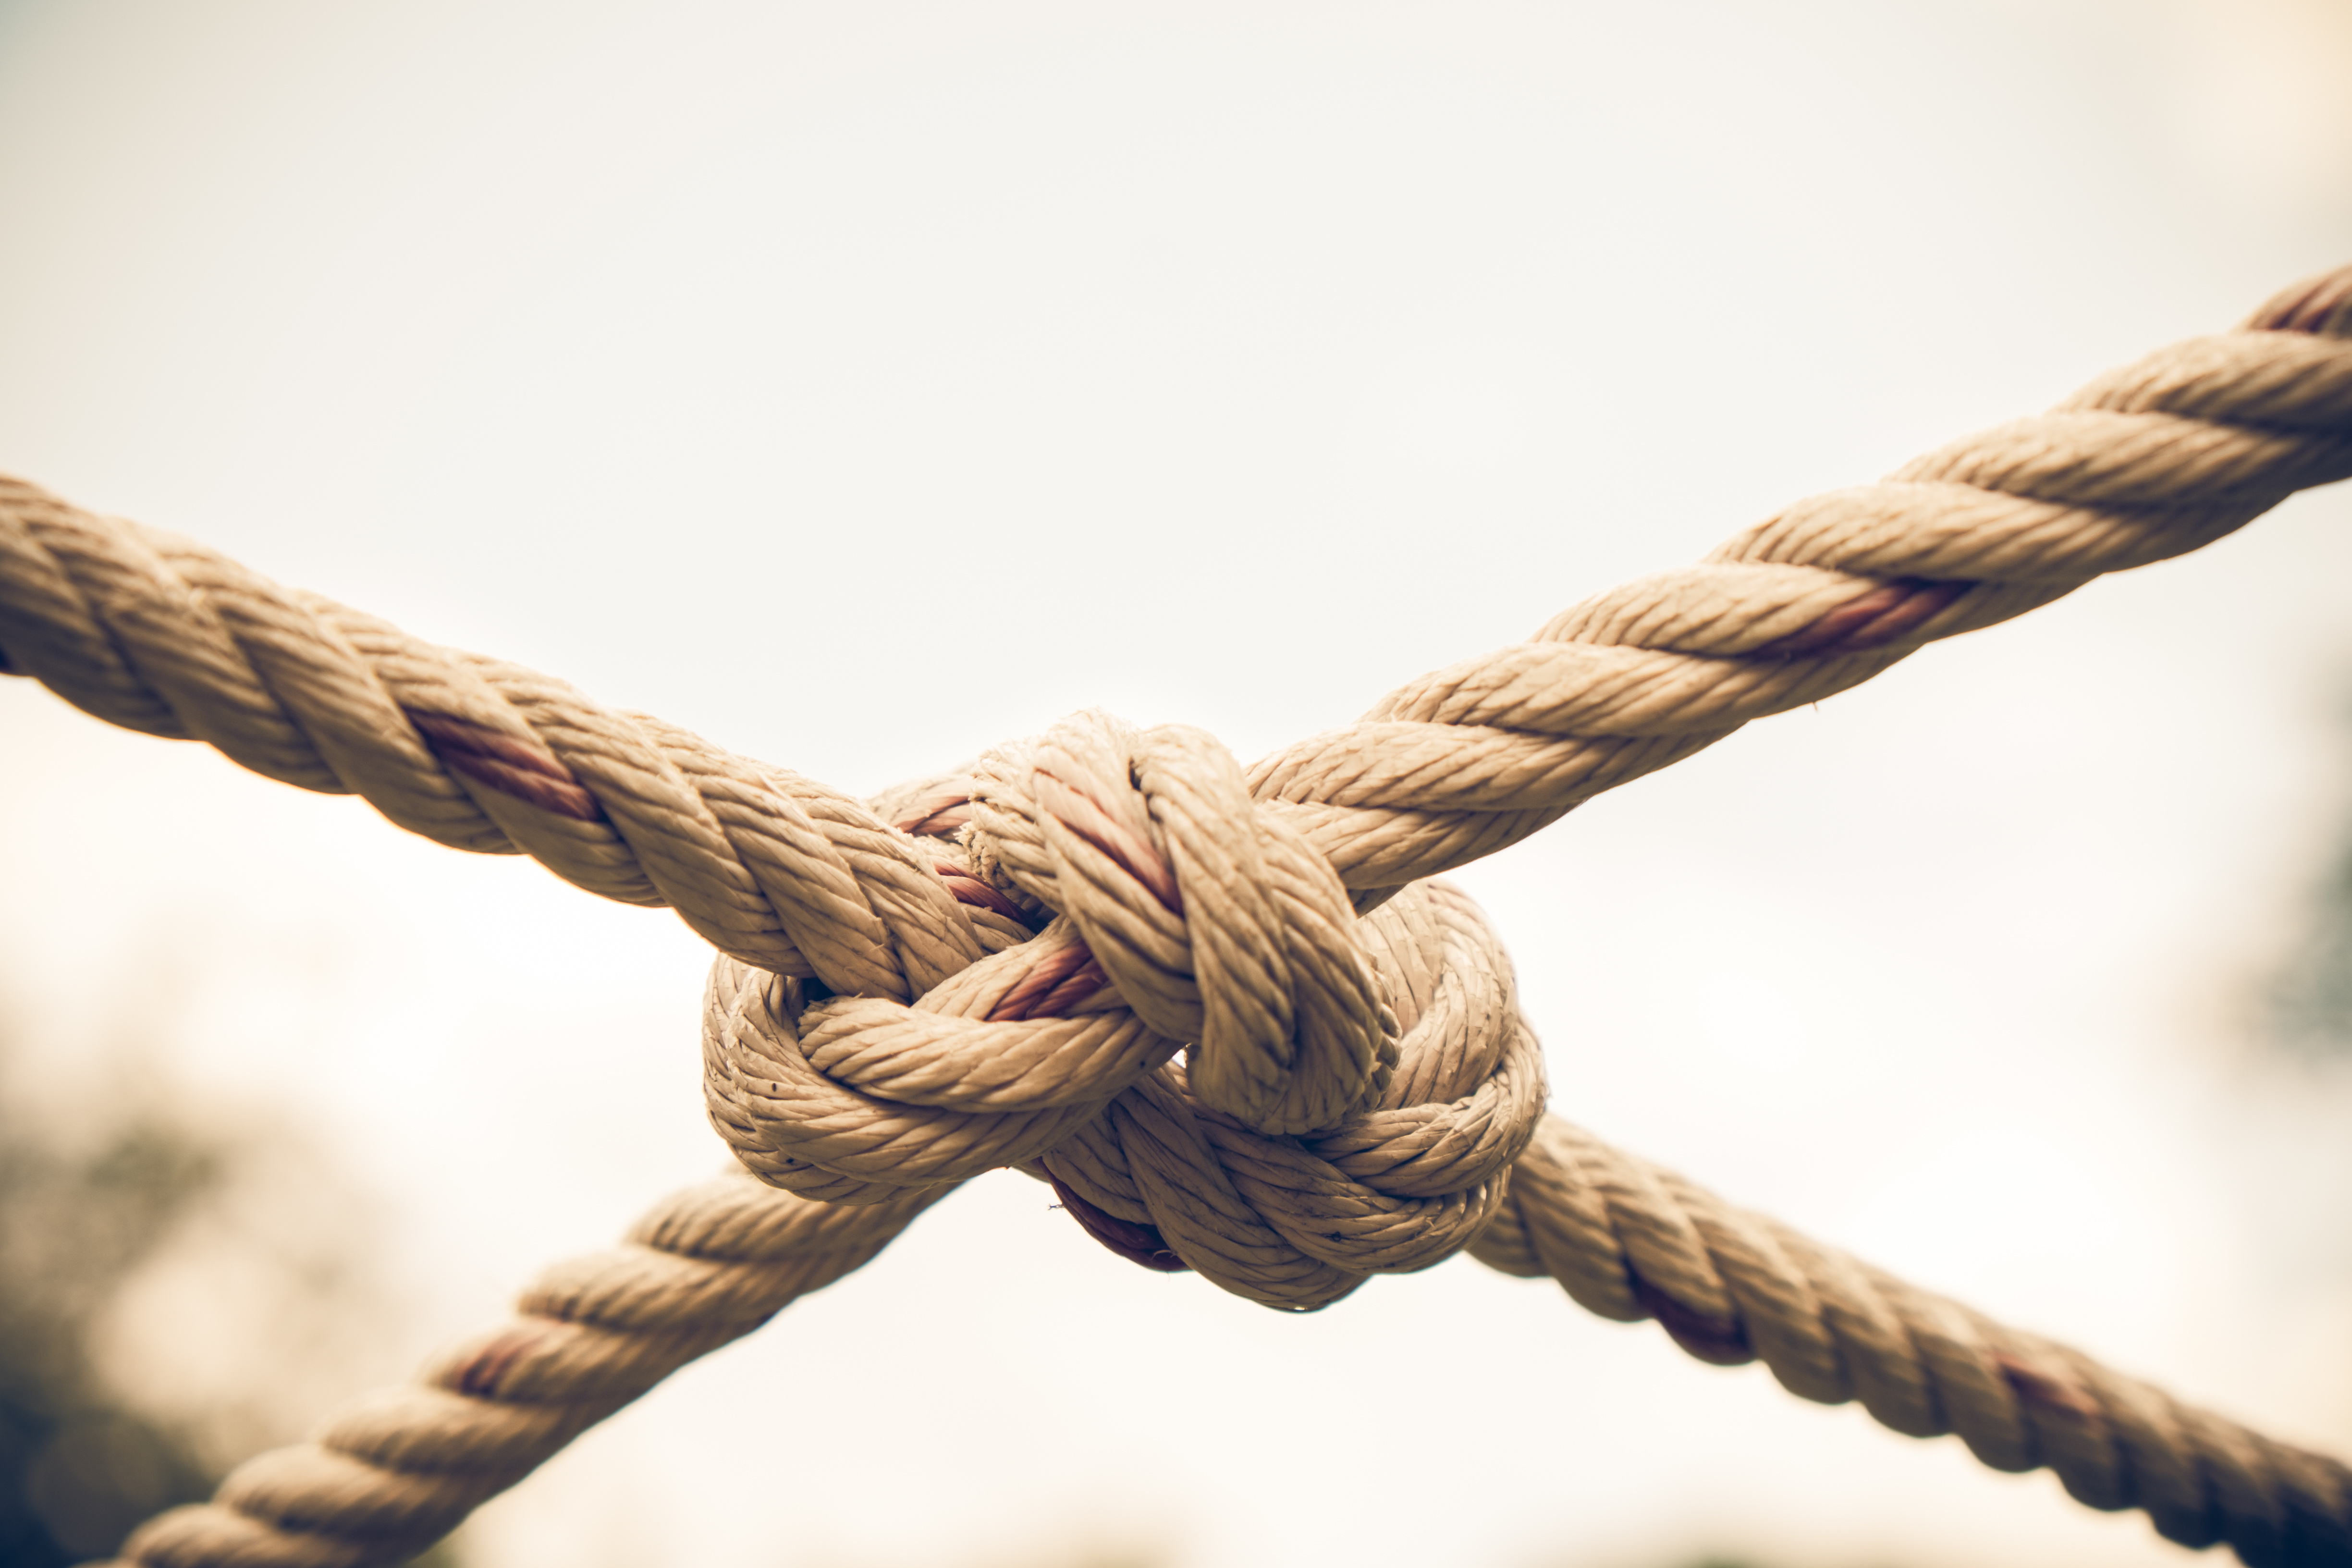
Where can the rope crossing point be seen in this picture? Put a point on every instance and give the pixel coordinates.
(1000, 966)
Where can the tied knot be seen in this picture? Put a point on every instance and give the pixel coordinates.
(1404, 1183)
(1219, 924)
(1352, 1090)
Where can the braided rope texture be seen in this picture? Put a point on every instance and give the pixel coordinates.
(999, 967)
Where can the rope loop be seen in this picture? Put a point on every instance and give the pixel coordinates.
(857, 1100)
(1218, 922)
(1404, 1183)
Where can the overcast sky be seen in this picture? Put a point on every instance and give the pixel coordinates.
(862, 387)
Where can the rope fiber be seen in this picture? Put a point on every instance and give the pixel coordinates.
(1225, 1012)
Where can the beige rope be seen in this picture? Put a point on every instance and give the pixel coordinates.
(1216, 922)
(2148, 462)
(161, 635)
(1629, 1240)
(881, 1022)
(389, 1475)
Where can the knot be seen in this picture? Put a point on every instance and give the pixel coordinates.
(1403, 1183)
(1031, 1057)
(1219, 924)
(1352, 1090)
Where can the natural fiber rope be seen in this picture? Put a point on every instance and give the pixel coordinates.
(1629, 1240)
(388, 1475)
(1355, 1091)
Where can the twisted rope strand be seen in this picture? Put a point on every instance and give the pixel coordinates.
(1629, 1241)
(167, 636)
(389, 1475)
(2149, 461)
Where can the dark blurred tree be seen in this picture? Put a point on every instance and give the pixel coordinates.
(84, 1205)
(77, 1470)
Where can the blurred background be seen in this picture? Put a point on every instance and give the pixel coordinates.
(862, 387)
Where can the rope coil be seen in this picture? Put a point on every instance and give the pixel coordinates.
(1000, 968)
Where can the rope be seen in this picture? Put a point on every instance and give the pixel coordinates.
(388, 1475)
(998, 967)
(161, 635)
(1629, 1240)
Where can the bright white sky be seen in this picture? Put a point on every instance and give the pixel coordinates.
(863, 385)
